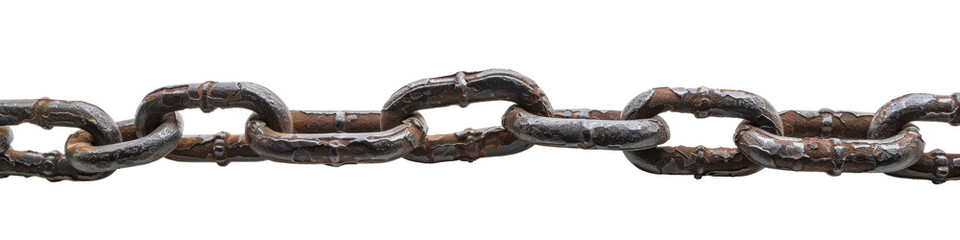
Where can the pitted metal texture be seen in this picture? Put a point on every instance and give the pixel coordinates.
(48, 113)
(586, 129)
(209, 96)
(936, 165)
(827, 141)
(702, 102)
(133, 151)
(462, 89)
(354, 138)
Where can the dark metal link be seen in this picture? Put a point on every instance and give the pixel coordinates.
(464, 88)
(936, 166)
(586, 129)
(336, 138)
(702, 102)
(209, 96)
(829, 141)
(52, 166)
(48, 113)
(222, 148)
(133, 151)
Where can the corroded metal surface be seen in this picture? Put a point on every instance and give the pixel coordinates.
(936, 166)
(826, 123)
(702, 102)
(48, 113)
(222, 148)
(464, 88)
(133, 151)
(586, 129)
(6, 137)
(52, 166)
(897, 113)
(829, 141)
(209, 96)
(336, 138)
(468, 145)
(698, 161)
(705, 102)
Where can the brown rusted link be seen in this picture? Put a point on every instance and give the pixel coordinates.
(586, 129)
(133, 151)
(209, 96)
(468, 145)
(464, 88)
(336, 138)
(826, 123)
(702, 102)
(222, 148)
(697, 161)
(48, 113)
(936, 166)
(829, 141)
(6, 137)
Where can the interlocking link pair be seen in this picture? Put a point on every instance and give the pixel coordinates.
(92, 153)
(825, 141)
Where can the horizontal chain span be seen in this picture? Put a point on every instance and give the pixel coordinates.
(827, 141)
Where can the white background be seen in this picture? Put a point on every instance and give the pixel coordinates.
(844, 55)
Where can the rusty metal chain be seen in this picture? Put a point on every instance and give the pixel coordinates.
(827, 141)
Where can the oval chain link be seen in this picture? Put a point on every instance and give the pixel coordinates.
(829, 141)
(48, 113)
(702, 102)
(464, 88)
(897, 114)
(209, 96)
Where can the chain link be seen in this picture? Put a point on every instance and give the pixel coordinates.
(701, 102)
(827, 141)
